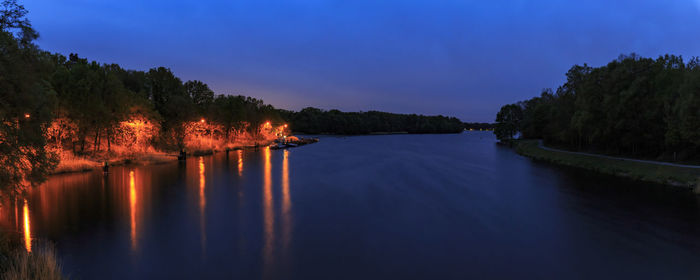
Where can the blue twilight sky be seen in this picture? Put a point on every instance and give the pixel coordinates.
(460, 58)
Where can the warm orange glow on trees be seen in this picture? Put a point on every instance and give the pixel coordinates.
(90, 113)
(137, 133)
(61, 130)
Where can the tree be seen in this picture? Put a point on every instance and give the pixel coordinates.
(201, 95)
(633, 106)
(26, 100)
(508, 122)
(228, 111)
(171, 101)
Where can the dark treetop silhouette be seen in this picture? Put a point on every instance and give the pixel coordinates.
(633, 106)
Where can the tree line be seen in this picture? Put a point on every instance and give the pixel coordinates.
(80, 104)
(94, 98)
(317, 121)
(633, 106)
(49, 101)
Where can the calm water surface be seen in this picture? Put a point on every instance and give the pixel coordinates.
(368, 207)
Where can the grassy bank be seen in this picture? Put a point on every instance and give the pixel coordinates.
(667, 175)
(69, 163)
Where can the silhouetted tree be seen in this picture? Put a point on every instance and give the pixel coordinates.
(508, 122)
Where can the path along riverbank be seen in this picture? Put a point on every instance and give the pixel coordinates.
(666, 173)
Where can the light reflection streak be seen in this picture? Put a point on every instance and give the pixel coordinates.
(202, 205)
(27, 230)
(240, 163)
(268, 214)
(132, 209)
(286, 202)
(16, 215)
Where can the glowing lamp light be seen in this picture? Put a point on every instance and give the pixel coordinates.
(202, 121)
(26, 116)
(267, 123)
(285, 125)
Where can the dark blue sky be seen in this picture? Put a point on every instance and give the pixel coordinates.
(460, 58)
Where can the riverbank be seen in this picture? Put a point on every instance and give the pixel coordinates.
(670, 175)
(74, 164)
(70, 163)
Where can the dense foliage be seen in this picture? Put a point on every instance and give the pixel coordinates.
(508, 120)
(25, 101)
(72, 102)
(96, 98)
(315, 121)
(632, 106)
(52, 106)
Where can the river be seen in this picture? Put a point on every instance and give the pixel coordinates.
(453, 206)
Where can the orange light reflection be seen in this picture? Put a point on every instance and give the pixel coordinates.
(268, 214)
(132, 209)
(202, 205)
(286, 202)
(27, 230)
(240, 163)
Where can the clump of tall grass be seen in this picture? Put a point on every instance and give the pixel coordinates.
(71, 163)
(40, 263)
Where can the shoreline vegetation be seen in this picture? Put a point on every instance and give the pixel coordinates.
(68, 114)
(317, 121)
(41, 262)
(633, 107)
(675, 176)
(75, 164)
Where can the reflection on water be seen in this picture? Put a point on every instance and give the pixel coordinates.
(268, 214)
(132, 209)
(202, 206)
(380, 207)
(286, 203)
(240, 163)
(27, 229)
(16, 217)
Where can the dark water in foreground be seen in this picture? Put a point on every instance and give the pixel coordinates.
(368, 207)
